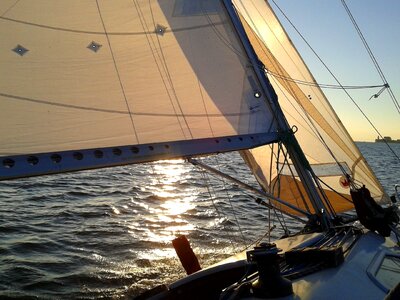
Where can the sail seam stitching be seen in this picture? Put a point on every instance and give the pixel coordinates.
(103, 33)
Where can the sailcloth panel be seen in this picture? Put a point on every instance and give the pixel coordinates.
(319, 130)
(86, 74)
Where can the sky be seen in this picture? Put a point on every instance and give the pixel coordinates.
(328, 29)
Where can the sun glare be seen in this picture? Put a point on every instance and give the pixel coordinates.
(172, 200)
(178, 206)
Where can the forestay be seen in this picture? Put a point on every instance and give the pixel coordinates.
(82, 82)
(319, 130)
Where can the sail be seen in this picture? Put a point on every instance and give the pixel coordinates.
(324, 140)
(83, 80)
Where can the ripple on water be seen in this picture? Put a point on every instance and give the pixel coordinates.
(107, 233)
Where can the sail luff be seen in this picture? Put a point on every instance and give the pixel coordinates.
(117, 72)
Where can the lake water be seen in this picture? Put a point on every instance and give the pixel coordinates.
(107, 233)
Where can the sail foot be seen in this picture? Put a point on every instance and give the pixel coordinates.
(28, 165)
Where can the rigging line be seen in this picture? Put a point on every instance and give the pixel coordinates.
(277, 65)
(321, 190)
(278, 181)
(325, 85)
(286, 160)
(167, 71)
(200, 88)
(336, 79)
(270, 207)
(233, 211)
(153, 52)
(264, 48)
(280, 218)
(283, 224)
(220, 36)
(117, 71)
(257, 64)
(279, 172)
(259, 239)
(371, 55)
(206, 178)
(391, 93)
(212, 193)
(252, 189)
(261, 15)
(333, 190)
(271, 161)
(229, 199)
(325, 197)
(311, 128)
(290, 87)
(10, 8)
(379, 92)
(368, 49)
(320, 137)
(230, 46)
(224, 41)
(307, 119)
(314, 129)
(205, 108)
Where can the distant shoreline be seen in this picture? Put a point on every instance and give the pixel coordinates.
(374, 142)
(386, 139)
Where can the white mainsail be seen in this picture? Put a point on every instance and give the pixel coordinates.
(97, 74)
(319, 130)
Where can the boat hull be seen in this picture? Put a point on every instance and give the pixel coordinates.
(358, 277)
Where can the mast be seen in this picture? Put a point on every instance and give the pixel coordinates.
(288, 138)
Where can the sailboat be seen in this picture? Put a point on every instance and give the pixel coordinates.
(95, 84)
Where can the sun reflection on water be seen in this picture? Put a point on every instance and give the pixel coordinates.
(173, 199)
(178, 206)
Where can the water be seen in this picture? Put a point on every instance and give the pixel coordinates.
(107, 233)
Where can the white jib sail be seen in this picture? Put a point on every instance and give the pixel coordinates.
(319, 130)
